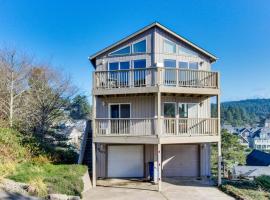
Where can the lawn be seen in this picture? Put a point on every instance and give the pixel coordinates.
(23, 162)
(50, 178)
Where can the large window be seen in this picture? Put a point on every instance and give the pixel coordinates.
(139, 72)
(169, 63)
(122, 51)
(139, 47)
(120, 126)
(170, 72)
(169, 47)
(186, 51)
(119, 78)
(120, 110)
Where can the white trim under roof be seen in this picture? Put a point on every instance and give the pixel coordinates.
(214, 58)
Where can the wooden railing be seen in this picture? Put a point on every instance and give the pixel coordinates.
(190, 127)
(189, 78)
(126, 78)
(147, 77)
(129, 127)
(147, 127)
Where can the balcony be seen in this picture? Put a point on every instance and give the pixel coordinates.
(155, 76)
(148, 127)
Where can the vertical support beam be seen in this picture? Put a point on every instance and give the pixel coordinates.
(94, 164)
(159, 122)
(94, 115)
(219, 142)
(159, 167)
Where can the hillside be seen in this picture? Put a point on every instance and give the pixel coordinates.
(245, 112)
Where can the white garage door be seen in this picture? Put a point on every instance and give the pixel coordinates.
(180, 160)
(125, 161)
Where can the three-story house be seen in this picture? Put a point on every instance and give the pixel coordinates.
(151, 106)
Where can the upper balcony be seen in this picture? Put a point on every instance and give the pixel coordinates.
(149, 80)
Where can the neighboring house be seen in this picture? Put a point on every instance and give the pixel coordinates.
(260, 139)
(258, 158)
(250, 172)
(151, 104)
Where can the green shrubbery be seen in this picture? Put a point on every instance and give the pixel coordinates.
(24, 158)
(250, 190)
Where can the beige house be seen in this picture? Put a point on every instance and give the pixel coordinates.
(151, 106)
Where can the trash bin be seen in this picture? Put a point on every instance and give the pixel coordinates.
(151, 170)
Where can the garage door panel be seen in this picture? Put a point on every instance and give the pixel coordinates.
(125, 161)
(180, 160)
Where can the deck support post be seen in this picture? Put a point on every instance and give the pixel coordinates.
(159, 167)
(219, 142)
(93, 164)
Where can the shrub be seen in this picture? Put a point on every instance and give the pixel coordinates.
(264, 182)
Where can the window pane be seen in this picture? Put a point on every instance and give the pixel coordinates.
(183, 110)
(185, 51)
(113, 66)
(193, 65)
(123, 51)
(183, 65)
(139, 73)
(124, 65)
(169, 63)
(139, 64)
(125, 110)
(114, 111)
(169, 110)
(139, 47)
(169, 47)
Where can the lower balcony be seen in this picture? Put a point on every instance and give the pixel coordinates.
(178, 127)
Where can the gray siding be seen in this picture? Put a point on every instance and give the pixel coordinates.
(160, 36)
(141, 106)
(103, 60)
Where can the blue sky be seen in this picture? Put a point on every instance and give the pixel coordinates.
(65, 33)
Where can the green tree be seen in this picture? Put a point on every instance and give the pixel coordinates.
(233, 153)
(80, 108)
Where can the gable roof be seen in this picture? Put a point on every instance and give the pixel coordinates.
(155, 24)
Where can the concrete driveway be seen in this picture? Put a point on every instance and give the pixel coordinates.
(172, 189)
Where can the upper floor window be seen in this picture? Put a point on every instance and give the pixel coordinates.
(169, 47)
(122, 51)
(170, 63)
(139, 47)
(188, 65)
(137, 64)
(186, 51)
(119, 65)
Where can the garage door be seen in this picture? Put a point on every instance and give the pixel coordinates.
(125, 161)
(180, 160)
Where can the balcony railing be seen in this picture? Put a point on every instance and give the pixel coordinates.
(129, 127)
(155, 76)
(147, 127)
(190, 127)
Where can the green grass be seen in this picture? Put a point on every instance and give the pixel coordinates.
(22, 159)
(64, 179)
(244, 189)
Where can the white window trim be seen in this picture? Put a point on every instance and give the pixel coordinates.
(188, 64)
(166, 40)
(109, 109)
(109, 54)
(137, 41)
(139, 59)
(108, 64)
(176, 108)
